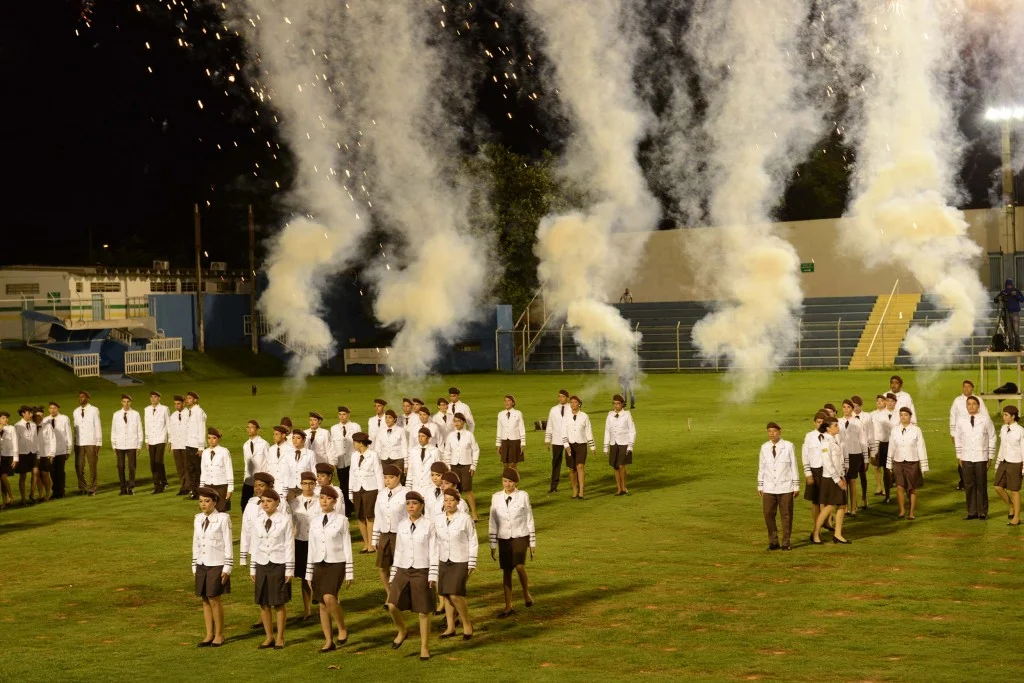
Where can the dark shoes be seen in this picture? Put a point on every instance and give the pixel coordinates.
(970, 517)
(774, 546)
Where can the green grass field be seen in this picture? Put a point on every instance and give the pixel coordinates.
(673, 581)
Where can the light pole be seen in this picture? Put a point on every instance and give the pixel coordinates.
(1006, 117)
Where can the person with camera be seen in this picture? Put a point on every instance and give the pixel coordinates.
(1011, 298)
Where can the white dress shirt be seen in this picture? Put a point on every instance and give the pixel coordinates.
(834, 462)
(1011, 444)
(390, 443)
(903, 399)
(299, 460)
(374, 423)
(619, 430)
(577, 429)
(456, 538)
(810, 452)
(777, 471)
(329, 542)
(882, 422)
(461, 448)
(215, 468)
(417, 467)
(553, 432)
(511, 517)
(366, 473)
(415, 548)
(958, 412)
(388, 512)
(303, 510)
(88, 431)
(511, 427)
(46, 441)
(212, 546)
(126, 430)
(276, 544)
(341, 444)
(907, 445)
(975, 442)
(279, 458)
(319, 441)
(9, 442)
(176, 429)
(157, 419)
(251, 516)
(61, 427)
(460, 407)
(852, 438)
(435, 433)
(195, 427)
(445, 426)
(255, 458)
(411, 426)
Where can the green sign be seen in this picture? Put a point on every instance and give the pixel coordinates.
(807, 267)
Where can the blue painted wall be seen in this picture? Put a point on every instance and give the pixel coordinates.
(223, 315)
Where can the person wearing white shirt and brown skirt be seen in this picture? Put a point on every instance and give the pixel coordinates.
(365, 481)
(329, 565)
(855, 453)
(8, 457)
(215, 470)
(577, 436)
(46, 451)
(511, 438)
(832, 493)
(303, 508)
(157, 419)
(778, 482)
(975, 444)
(212, 558)
(512, 532)
(553, 437)
(388, 513)
(414, 573)
(1010, 462)
(457, 548)
(908, 461)
(810, 456)
(126, 439)
(272, 568)
(619, 437)
(462, 454)
(389, 443)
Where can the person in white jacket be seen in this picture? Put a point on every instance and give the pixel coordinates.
(832, 495)
(212, 558)
(329, 565)
(126, 439)
(157, 419)
(46, 451)
(908, 461)
(553, 437)
(619, 437)
(88, 439)
(975, 444)
(61, 426)
(511, 438)
(778, 482)
(8, 457)
(272, 567)
(195, 439)
(1010, 462)
(577, 437)
(216, 471)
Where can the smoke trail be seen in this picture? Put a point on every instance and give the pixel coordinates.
(293, 56)
(579, 266)
(907, 151)
(759, 124)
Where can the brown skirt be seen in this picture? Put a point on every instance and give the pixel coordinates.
(1008, 476)
(576, 454)
(465, 477)
(619, 456)
(512, 552)
(45, 463)
(208, 583)
(364, 502)
(908, 476)
(813, 491)
(271, 588)
(386, 551)
(452, 577)
(410, 590)
(511, 450)
(7, 465)
(829, 493)
(856, 466)
(223, 505)
(327, 579)
(301, 554)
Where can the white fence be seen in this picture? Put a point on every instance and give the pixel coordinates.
(163, 350)
(138, 362)
(86, 364)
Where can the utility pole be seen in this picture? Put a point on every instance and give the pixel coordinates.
(254, 327)
(199, 280)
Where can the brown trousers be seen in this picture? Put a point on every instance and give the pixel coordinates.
(194, 462)
(83, 455)
(156, 465)
(976, 487)
(181, 468)
(770, 503)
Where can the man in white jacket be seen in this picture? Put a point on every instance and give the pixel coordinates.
(126, 438)
(88, 439)
(157, 420)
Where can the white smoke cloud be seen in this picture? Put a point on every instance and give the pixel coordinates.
(907, 151)
(759, 126)
(593, 62)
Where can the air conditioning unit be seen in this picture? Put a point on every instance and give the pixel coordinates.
(161, 265)
(218, 266)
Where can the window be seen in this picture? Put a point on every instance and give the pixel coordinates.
(78, 288)
(467, 347)
(23, 288)
(104, 286)
(188, 287)
(168, 286)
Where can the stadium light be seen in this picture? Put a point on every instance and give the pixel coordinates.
(1007, 116)
(1004, 114)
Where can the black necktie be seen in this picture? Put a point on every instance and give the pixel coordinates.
(325, 520)
(154, 411)
(361, 457)
(458, 436)
(423, 454)
(573, 418)
(389, 430)
(904, 430)
(616, 416)
(298, 454)
(306, 504)
(252, 448)
(126, 417)
(412, 527)
(972, 420)
(444, 418)
(267, 525)
(847, 424)
(563, 411)
(312, 435)
(773, 450)
(179, 414)
(206, 523)
(389, 494)
(508, 414)
(437, 492)
(83, 411)
(508, 500)
(344, 432)
(378, 423)
(211, 455)
(448, 522)
(278, 452)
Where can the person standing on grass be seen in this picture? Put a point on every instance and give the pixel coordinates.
(176, 434)
(46, 451)
(412, 421)
(957, 414)
(512, 532)
(341, 452)
(407, 416)
(414, 573)
(279, 459)
(254, 458)
(212, 558)
(619, 437)
(272, 568)
(433, 497)
(303, 508)
(511, 438)
(424, 421)
(975, 444)
(390, 441)
(388, 513)
(88, 439)
(832, 496)
(457, 548)
(26, 462)
(855, 453)
(445, 423)
(252, 515)
(376, 420)
(8, 457)
(903, 399)
(908, 461)
(61, 426)
(462, 454)
(878, 445)
(157, 418)
(1010, 462)
(778, 482)
(553, 433)
(195, 439)
(300, 460)
(811, 458)
(329, 565)
(577, 437)
(318, 440)
(863, 421)
(418, 462)
(216, 471)
(365, 483)
(457, 405)
(126, 439)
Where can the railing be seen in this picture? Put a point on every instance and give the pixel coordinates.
(83, 364)
(881, 323)
(165, 350)
(138, 362)
(262, 327)
(121, 336)
(524, 338)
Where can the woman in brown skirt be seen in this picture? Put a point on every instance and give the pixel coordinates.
(329, 564)
(511, 439)
(272, 567)
(456, 553)
(414, 573)
(212, 558)
(833, 490)
(908, 461)
(512, 533)
(1010, 462)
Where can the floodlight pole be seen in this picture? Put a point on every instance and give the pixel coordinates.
(1009, 195)
(199, 279)
(253, 325)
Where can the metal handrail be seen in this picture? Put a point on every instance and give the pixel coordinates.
(526, 311)
(881, 322)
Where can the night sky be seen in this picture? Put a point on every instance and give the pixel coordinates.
(105, 142)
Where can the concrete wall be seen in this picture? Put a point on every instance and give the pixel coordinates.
(666, 271)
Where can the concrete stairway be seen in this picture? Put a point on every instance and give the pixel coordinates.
(880, 341)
